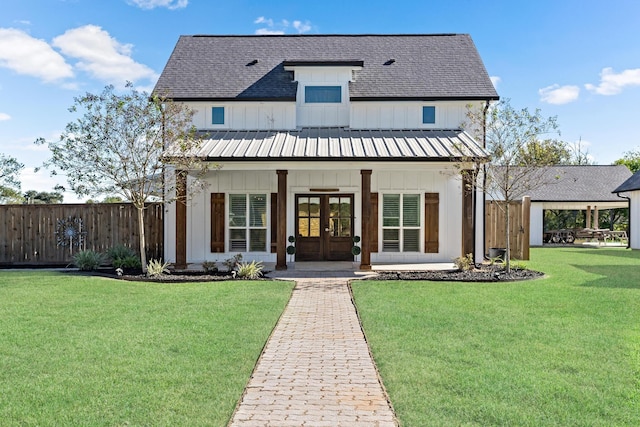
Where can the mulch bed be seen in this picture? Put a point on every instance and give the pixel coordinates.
(482, 273)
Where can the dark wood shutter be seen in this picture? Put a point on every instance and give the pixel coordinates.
(274, 222)
(431, 221)
(373, 245)
(217, 222)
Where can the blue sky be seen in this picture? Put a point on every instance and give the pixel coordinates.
(577, 60)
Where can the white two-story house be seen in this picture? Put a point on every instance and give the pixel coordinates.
(317, 139)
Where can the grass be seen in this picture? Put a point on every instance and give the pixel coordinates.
(563, 350)
(92, 351)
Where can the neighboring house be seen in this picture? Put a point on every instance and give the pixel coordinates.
(630, 190)
(575, 187)
(328, 137)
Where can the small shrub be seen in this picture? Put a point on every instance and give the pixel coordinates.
(119, 252)
(88, 260)
(252, 270)
(518, 266)
(464, 263)
(157, 268)
(128, 262)
(232, 263)
(210, 266)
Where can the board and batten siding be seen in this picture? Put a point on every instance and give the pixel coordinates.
(634, 218)
(246, 115)
(322, 115)
(386, 178)
(406, 114)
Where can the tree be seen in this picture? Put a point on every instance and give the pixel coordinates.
(9, 184)
(513, 139)
(116, 147)
(631, 160)
(33, 197)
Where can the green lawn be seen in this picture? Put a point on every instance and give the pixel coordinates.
(558, 351)
(92, 351)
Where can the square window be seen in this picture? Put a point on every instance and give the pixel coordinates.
(323, 94)
(429, 115)
(217, 115)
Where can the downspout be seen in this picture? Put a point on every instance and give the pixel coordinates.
(629, 226)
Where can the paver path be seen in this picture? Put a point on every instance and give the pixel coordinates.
(316, 369)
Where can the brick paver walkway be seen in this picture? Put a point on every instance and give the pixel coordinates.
(316, 369)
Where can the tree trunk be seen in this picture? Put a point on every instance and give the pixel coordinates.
(143, 245)
(507, 254)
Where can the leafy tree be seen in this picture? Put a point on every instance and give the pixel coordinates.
(33, 197)
(631, 160)
(9, 184)
(116, 147)
(546, 152)
(513, 139)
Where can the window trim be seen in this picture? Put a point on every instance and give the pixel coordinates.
(432, 113)
(401, 227)
(323, 87)
(224, 115)
(248, 221)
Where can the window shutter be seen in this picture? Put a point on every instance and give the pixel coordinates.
(274, 222)
(217, 222)
(431, 220)
(373, 244)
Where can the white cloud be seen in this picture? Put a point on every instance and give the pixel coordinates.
(495, 80)
(271, 27)
(4, 117)
(42, 181)
(102, 56)
(266, 31)
(27, 55)
(302, 27)
(152, 4)
(612, 83)
(556, 94)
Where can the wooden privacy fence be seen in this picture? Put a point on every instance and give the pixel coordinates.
(51, 234)
(519, 226)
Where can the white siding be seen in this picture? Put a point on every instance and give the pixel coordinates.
(386, 178)
(328, 115)
(536, 226)
(634, 219)
(246, 115)
(406, 114)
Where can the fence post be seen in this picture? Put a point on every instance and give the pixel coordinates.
(526, 227)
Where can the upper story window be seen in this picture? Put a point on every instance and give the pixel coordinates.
(322, 94)
(217, 115)
(429, 115)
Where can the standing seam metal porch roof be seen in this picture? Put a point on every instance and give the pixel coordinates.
(338, 144)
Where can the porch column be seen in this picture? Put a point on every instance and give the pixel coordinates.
(588, 220)
(181, 220)
(468, 188)
(365, 239)
(281, 246)
(596, 218)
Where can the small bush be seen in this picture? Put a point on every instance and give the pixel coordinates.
(120, 252)
(252, 270)
(210, 266)
(157, 268)
(465, 263)
(88, 260)
(232, 263)
(519, 266)
(128, 262)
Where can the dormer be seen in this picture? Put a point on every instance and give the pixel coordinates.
(322, 98)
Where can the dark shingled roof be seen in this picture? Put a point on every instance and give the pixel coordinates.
(426, 67)
(630, 184)
(580, 183)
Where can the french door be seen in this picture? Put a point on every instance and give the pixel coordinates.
(324, 227)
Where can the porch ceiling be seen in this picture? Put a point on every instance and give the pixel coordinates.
(338, 144)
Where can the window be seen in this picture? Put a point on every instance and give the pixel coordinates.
(217, 115)
(401, 223)
(248, 222)
(322, 94)
(429, 115)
